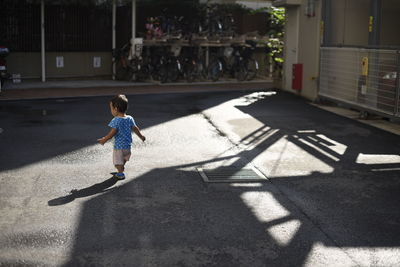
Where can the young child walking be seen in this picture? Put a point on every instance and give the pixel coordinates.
(122, 126)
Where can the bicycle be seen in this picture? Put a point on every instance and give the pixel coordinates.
(251, 64)
(229, 61)
(120, 59)
(162, 65)
(128, 67)
(193, 66)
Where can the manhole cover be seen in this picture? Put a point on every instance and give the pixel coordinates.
(231, 175)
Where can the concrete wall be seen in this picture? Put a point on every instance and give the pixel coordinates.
(349, 27)
(309, 45)
(390, 23)
(350, 20)
(76, 64)
(26, 64)
(302, 42)
(291, 45)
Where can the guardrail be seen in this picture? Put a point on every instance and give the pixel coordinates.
(367, 79)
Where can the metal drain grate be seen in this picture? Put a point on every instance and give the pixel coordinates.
(231, 175)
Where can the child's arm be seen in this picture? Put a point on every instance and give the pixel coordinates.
(110, 135)
(136, 130)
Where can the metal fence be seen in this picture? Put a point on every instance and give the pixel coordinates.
(367, 79)
(20, 26)
(69, 27)
(78, 28)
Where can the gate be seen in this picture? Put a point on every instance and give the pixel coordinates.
(367, 79)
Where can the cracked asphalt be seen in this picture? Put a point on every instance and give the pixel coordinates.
(332, 197)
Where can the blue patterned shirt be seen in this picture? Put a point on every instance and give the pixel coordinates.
(123, 137)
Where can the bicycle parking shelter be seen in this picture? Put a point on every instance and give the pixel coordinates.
(89, 62)
(204, 45)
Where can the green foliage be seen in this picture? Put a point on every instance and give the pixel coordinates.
(234, 8)
(274, 49)
(276, 24)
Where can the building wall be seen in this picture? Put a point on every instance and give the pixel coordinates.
(27, 64)
(79, 64)
(350, 22)
(76, 64)
(390, 23)
(302, 42)
(309, 44)
(349, 25)
(291, 47)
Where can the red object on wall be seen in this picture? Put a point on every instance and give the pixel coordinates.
(297, 79)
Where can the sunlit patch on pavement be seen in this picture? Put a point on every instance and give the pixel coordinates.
(377, 159)
(264, 206)
(284, 232)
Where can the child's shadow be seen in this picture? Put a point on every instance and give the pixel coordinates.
(85, 192)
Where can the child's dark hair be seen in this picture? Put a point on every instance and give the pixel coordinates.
(120, 102)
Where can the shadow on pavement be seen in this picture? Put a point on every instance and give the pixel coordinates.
(85, 192)
(170, 217)
(356, 203)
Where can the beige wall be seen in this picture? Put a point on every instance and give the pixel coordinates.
(26, 64)
(390, 23)
(350, 20)
(302, 42)
(356, 22)
(291, 48)
(309, 44)
(76, 64)
(349, 26)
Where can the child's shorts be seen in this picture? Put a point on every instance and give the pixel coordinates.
(121, 156)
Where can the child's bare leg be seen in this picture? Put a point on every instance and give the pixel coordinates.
(120, 168)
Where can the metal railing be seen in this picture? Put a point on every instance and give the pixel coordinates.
(68, 27)
(367, 79)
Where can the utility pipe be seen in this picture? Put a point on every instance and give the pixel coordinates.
(114, 13)
(42, 41)
(133, 19)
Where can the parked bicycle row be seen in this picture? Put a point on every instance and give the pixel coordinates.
(173, 63)
(212, 20)
(4, 75)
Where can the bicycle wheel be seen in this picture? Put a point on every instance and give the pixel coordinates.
(173, 72)
(163, 73)
(215, 70)
(201, 71)
(241, 72)
(144, 72)
(252, 69)
(154, 73)
(133, 72)
(121, 73)
(189, 71)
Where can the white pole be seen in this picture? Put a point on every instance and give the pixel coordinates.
(42, 41)
(133, 19)
(114, 14)
(133, 30)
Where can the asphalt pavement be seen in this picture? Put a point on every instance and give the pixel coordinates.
(331, 198)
